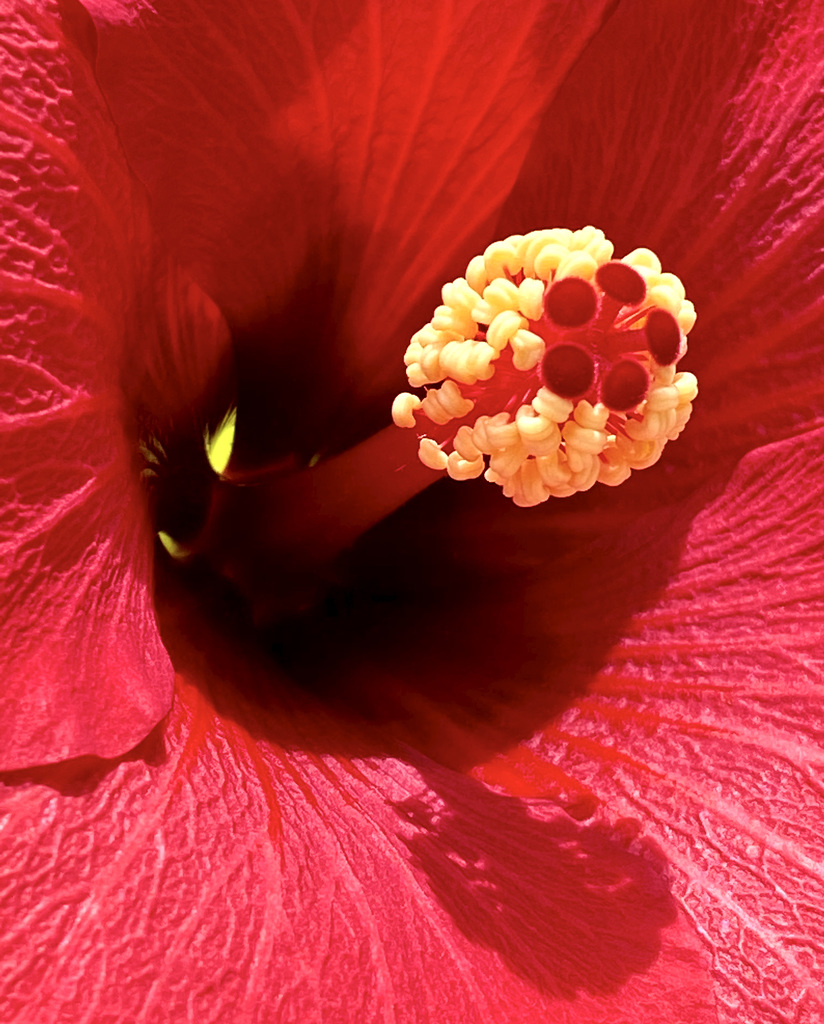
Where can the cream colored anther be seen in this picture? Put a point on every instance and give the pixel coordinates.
(641, 453)
(501, 431)
(672, 283)
(643, 259)
(413, 353)
(653, 426)
(476, 274)
(583, 439)
(686, 316)
(554, 469)
(427, 335)
(593, 241)
(614, 468)
(664, 297)
(416, 377)
(549, 259)
(460, 294)
(687, 385)
(539, 435)
(431, 455)
(499, 295)
(582, 238)
(504, 325)
(592, 416)
(480, 360)
(585, 475)
(662, 398)
(501, 258)
(507, 461)
(577, 264)
(458, 321)
(464, 469)
(532, 425)
(479, 436)
(446, 403)
(548, 404)
(403, 409)
(430, 363)
(535, 241)
(531, 298)
(467, 361)
(530, 487)
(527, 350)
(682, 415)
(464, 444)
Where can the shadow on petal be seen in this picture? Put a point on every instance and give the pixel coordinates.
(454, 629)
(570, 908)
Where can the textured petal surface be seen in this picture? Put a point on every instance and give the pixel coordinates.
(706, 147)
(323, 166)
(704, 722)
(217, 874)
(82, 664)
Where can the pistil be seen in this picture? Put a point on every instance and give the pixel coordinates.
(550, 366)
(278, 537)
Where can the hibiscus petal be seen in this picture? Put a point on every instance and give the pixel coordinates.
(324, 167)
(696, 129)
(82, 664)
(704, 722)
(220, 874)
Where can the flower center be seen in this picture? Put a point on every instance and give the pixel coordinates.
(555, 365)
(548, 367)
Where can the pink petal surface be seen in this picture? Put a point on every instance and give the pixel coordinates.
(82, 664)
(696, 130)
(704, 723)
(217, 875)
(322, 167)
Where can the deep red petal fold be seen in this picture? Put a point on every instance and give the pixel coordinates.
(323, 168)
(83, 668)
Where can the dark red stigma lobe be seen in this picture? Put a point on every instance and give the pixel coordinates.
(568, 370)
(570, 302)
(663, 336)
(625, 385)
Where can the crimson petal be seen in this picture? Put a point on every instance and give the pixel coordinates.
(290, 876)
(84, 671)
(704, 721)
(324, 167)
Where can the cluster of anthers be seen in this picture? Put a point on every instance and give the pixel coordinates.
(556, 366)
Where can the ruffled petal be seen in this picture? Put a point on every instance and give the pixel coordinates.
(322, 168)
(221, 873)
(696, 129)
(704, 723)
(82, 664)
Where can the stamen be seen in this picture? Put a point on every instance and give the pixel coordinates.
(220, 444)
(551, 366)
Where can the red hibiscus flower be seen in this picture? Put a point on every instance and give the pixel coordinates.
(560, 763)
